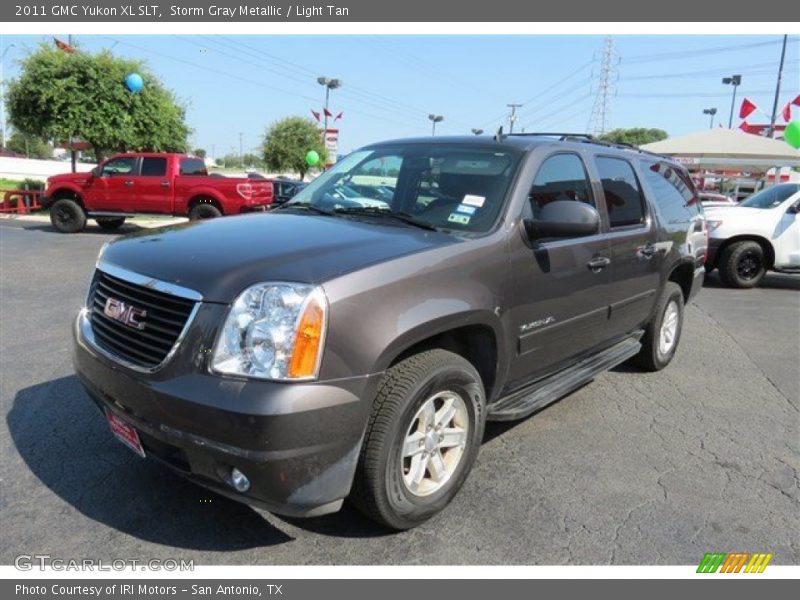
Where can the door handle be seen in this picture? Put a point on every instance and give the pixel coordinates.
(128, 183)
(598, 263)
(647, 251)
(165, 184)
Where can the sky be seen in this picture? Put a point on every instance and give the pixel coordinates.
(236, 85)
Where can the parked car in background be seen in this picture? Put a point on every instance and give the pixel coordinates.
(715, 199)
(761, 233)
(148, 183)
(332, 349)
(285, 189)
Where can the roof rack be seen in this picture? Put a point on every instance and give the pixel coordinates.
(585, 138)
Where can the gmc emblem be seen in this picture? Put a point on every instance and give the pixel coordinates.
(124, 313)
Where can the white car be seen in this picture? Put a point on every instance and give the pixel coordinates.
(759, 234)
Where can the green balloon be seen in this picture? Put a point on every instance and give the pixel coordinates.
(312, 158)
(792, 134)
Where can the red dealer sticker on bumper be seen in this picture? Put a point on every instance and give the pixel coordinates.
(125, 433)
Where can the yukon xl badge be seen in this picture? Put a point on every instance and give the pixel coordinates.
(124, 313)
(534, 324)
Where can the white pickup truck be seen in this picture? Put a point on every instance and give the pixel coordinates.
(761, 233)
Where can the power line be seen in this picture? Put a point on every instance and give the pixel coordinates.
(642, 58)
(744, 70)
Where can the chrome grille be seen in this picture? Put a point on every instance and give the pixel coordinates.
(162, 318)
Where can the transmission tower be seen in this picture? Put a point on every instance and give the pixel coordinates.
(600, 119)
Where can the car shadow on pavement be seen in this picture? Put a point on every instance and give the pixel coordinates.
(777, 281)
(63, 439)
(90, 229)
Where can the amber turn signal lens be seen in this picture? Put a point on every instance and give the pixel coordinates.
(308, 339)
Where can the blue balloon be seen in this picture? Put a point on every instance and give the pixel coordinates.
(134, 82)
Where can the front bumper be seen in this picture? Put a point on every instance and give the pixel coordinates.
(298, 443)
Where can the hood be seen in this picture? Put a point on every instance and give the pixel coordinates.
(78, 178)
(732, 210)
(221, 257)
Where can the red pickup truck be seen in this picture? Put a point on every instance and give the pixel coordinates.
(150, 183)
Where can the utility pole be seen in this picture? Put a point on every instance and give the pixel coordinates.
(600, 118)
(3, 53)
(73, 155)
(512, 118)
(241, 153)
(774, 117)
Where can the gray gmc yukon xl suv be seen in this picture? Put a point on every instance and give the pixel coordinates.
(344, 346)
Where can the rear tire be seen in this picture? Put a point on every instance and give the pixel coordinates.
(415, 455)
(661, 337)
(67, 216)
(742, 265)
(110, 222)
(204, 210)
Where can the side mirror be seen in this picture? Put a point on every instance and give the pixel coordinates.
(794, 209)
(562, 219)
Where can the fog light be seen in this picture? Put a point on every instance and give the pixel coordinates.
(239, 480)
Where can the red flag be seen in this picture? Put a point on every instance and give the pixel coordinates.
(327, 112)
(787, 112)
(745, 127)
(796, 101)
(339, 116)
(64, 46)
(316, 114)
(746, 109)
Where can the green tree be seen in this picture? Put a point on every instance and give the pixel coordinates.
(29, 145)
(288, 141)
(635, 136)
(199, 152)
(59, 95)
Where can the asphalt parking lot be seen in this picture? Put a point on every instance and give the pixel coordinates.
(633, 468)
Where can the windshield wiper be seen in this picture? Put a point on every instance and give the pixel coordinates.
(308, 206)
(374, 211)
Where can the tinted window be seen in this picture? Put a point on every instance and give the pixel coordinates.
(624, 202)
(771, 196)
(193, 166)
(154, 166)
(561, 177)
(124, 165)
(454, 187)
(672, 192)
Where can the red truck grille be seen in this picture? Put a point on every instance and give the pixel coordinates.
(135, 323)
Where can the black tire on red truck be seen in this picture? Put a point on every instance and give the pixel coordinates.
(204, 210)
(67, 216)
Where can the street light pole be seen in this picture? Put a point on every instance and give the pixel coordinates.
(712, 112)
(330, 84)
(434, 120)
(735, 81)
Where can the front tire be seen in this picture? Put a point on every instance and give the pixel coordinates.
(110, 223)
(67, 216)
(422, 439)
(204, 210)
(742, 265)
(661, 337)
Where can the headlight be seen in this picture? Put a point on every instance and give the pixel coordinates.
(273, 331)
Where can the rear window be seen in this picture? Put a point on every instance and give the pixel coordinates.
(193, 166)
(624, 202)
(154, 166)
(672, 191)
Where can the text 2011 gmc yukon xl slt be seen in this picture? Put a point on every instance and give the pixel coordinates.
(341, 347)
